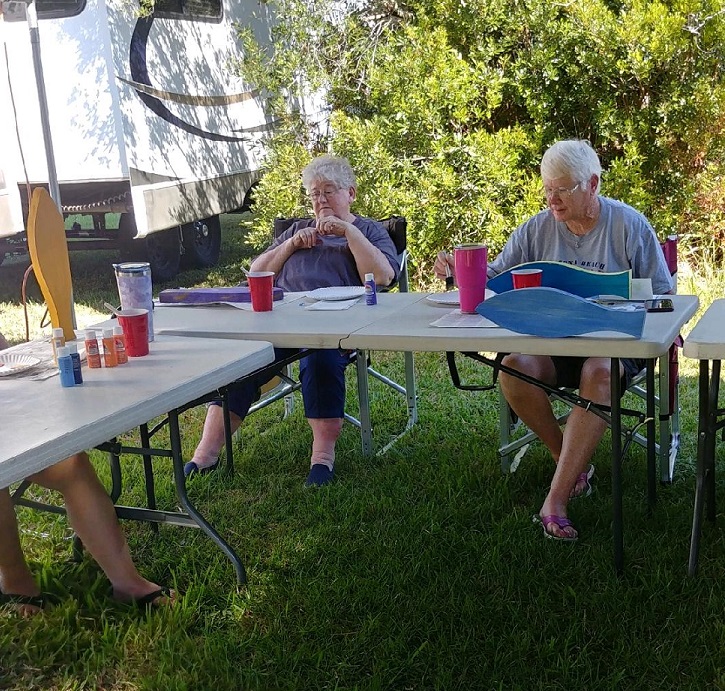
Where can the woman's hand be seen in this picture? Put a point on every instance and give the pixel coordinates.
(444, 265)
(332, 225)
(305, 238)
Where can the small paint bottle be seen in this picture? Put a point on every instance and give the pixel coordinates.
(93, 355)
(119, 343)
(371, 296)
(65, 367)
(76, 360)
(109, 350)
(57, 340)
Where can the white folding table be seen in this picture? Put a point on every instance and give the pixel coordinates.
(411, 330)
(44, 423)
(706, 343)
(293, 325)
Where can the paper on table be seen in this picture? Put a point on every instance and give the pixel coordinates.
(327, 306)
(456, 319)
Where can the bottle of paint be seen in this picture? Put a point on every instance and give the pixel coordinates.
(93, 355)
(65, 367)
(76, 360)
(57, 340)
(119, 343)
(109, 349)
(371, 296)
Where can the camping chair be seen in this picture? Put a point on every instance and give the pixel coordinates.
(511, 450)
(285, 388)
(48, 249)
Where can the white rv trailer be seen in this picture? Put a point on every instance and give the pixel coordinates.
(147, 116)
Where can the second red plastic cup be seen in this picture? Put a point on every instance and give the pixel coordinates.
(526, 278)
(135, 325)
(260, 286)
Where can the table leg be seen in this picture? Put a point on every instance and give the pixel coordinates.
(180, 482)
(711, 439)
(363, 390)
(702, 434)
(228, 443)
(651, 440)
(617, 526)
(115, 462)
(148, 472)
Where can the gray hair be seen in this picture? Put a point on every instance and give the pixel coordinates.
(328, 168)
(573, 158)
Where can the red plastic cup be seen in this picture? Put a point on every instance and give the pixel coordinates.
(135, 325)
(526, 278)
(471, 265)
(260, 286)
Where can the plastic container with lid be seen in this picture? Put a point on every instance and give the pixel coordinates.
(135, 289)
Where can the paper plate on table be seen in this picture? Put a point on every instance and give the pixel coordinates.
(450, 298)
(13, 363)
(337, 293)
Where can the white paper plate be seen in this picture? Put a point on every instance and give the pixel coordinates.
(337, 293)
(13, 363)
(450, 298)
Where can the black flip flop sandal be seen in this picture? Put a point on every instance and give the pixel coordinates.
(14, 600)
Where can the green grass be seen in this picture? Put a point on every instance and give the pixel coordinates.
(417, 570)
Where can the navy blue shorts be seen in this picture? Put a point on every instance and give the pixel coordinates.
(569, 370)
(322, 374)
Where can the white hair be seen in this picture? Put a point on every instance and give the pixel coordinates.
(328, 168)
(574, 158)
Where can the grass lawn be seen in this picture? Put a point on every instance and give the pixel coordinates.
(417, 570)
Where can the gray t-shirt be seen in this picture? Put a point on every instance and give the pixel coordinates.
(330, 263)
(622, 239)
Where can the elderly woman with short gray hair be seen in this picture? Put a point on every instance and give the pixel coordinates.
(582, 228)
(335, 248)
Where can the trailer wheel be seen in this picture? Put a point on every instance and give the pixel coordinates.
(162, 249)
(163, 252)
(202, 243)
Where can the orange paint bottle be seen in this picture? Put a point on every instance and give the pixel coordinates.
(109, 349)
(93, 355)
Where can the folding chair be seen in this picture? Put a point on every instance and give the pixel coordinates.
(285, 388)
(511, 450)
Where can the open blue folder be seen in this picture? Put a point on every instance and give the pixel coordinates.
(552, 313)
(572, 279)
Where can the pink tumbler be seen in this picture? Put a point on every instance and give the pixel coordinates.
(471, 264)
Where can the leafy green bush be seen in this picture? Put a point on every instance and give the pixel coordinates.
(444, 109)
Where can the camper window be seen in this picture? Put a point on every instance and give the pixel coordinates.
(55, 9)
(188, 9)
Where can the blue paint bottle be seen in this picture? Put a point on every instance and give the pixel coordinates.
(76, 360)
(65, 367)
(371, 296)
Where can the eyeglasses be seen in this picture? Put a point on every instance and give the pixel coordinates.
(561, 192)
(327, 192)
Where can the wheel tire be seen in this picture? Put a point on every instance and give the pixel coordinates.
(162, 250)
(202, 242)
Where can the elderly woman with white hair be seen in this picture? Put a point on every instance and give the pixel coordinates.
(584, 229)
(335, 248)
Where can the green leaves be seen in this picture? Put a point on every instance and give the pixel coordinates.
(445, 107)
